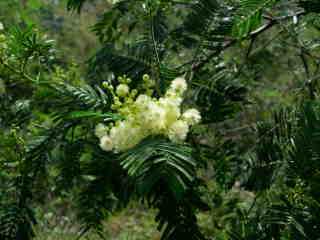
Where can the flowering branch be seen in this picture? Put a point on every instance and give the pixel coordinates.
(146, 115)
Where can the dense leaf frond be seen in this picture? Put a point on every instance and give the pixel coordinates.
(310, 5)
(16, 222)
(156, 160)
(71, 98)
(132, 60)
(164, 176)
(218, 95)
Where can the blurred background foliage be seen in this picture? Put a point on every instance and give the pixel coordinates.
(253, 67)
(69, 30)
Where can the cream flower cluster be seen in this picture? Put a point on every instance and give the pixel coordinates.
(146, 116)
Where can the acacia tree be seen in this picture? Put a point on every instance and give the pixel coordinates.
(216, 46)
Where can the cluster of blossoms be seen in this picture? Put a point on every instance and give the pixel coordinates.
(146, 116)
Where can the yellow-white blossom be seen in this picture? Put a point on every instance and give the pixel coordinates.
(146, 116)
(100, 130)
(192, 116)
(178, 131)
(155, 117)
(106, 143)
(178, 85)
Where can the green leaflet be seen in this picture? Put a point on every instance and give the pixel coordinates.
(249, 16)
(92, 114)
(157, 157)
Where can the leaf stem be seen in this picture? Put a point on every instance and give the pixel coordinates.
(156, 52)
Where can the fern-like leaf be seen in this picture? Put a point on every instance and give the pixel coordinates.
(132, 60)
(68, 98)
(164, 175)
(310, 5)
(156, 160)
(16, 222)
(249, 16)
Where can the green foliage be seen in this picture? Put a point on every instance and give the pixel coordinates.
(16, 222)
(249, 16)
(25, 44)
(293, 139)
(253, 172)
(75, 4)
(78, 98)
(219, 96)
(160, 161)
(310, 5)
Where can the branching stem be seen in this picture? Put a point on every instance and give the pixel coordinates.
(21, 73)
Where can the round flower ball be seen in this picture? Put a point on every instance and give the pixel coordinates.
(106, 143)
(179, 85)
(178, 131)
(122, 90)
(192, 116)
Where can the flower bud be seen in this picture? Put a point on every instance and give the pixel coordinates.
(122, 90)
(105, 84)
(192, 116)
(146, 77)
(134, 93)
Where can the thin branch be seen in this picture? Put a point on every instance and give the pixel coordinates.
(156, 53)
(304, 52)
(230, 42)
(250, 47)
(305, 63)
(182, 3)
